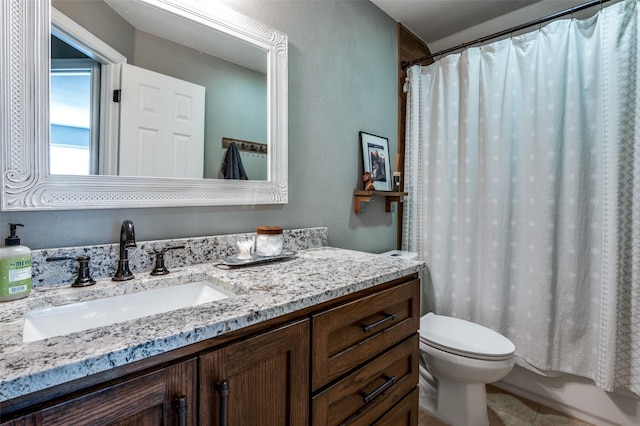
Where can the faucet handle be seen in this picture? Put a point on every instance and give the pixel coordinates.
(84, 275)
(160, 269)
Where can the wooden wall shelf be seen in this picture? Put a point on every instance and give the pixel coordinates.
(362, 196)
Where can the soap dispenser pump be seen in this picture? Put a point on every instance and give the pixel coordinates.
(15, 267)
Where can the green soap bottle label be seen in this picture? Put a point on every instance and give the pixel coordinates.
(15, 276)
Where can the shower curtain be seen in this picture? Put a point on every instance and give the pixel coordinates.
(523, 173)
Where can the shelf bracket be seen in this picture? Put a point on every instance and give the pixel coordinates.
(362, 199)
(362, 196)
(389, 200)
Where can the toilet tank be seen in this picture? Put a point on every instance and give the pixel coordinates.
(409, 255)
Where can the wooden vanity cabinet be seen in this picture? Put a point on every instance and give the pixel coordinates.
(352, 360)
(265, 377)
(163, 397)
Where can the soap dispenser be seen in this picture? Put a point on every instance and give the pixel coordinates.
(15, 267)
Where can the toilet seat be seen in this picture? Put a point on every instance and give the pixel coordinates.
(464, 338)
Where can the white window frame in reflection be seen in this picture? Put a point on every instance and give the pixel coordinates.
(75, 99)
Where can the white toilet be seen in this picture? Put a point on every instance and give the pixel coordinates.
(458, 358)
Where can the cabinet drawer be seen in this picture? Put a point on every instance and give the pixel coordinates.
(370, 391)
(346, 336)
(405, 413)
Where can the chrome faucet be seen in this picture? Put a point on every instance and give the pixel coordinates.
(127, 241)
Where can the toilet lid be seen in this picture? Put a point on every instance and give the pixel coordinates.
(464, 338)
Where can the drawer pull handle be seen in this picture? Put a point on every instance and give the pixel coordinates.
(181, 406)
(369, 327)
(223, 389)
(390, 381)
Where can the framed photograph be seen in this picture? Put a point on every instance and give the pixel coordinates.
(375, 155)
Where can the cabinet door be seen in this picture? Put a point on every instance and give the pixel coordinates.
(263, 380)
(163, 397)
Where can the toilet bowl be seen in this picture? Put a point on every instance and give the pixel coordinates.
(458, 358)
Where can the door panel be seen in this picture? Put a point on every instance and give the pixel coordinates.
(161, 125)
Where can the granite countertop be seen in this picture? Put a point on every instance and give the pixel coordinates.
(262, 291)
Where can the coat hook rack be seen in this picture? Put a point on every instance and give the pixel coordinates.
(255, 147)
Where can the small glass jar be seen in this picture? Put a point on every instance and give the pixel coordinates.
(269, 241)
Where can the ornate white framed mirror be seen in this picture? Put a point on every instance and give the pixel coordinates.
(29, 182)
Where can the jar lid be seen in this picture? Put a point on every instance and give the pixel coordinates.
(269, 230)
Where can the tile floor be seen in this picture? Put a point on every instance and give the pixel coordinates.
(507, 409)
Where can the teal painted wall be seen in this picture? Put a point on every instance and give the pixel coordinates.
(342, 79)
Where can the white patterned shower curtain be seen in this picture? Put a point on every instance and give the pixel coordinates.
(523, 173)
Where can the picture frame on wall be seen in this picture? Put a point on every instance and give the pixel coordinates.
(375, 156)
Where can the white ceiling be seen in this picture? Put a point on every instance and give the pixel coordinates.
(442, 24)
(166, 24)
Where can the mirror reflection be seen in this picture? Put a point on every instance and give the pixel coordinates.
(128, 99)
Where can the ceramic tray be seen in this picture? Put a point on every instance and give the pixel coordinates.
(256, 259)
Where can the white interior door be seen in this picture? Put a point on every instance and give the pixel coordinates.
(161, 125)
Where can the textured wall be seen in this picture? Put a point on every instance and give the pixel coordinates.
(342, 79)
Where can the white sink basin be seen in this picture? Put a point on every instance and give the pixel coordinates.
(62, 320)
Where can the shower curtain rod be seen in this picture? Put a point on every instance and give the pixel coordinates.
(407, 64)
